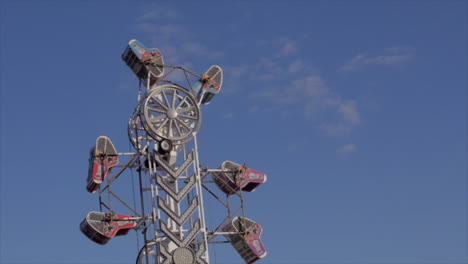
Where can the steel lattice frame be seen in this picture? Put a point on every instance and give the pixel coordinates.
(171, 216)
(176, 232)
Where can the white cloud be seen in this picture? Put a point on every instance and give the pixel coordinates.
(311, 86)
(389, 59)
(336, 128)
(178, 45)
(393, 56)
(159, 13)
(197, 48)
(237, 71)
(288, 47)
(162, 30)
(288, 83)
(175, 41)
(235, 77)
(308, 89)
(296, 66)
(302, 90)
(269, 65)
(164, 37)
(400, 49)
(354, 63)
(283, 46)
(312, 94)
(348, 116)
(346, 150)
(349, 112)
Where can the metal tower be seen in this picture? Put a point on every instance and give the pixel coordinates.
(170, 215)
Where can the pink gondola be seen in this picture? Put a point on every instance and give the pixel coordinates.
(233, 177)
(245, 238)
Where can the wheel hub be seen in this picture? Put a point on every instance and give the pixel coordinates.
(171, 113)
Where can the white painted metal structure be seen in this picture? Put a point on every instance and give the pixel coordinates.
(163, 131)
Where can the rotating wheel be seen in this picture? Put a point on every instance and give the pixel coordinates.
(170, 112)
(137, 134)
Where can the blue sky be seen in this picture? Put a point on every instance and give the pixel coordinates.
(356, 110)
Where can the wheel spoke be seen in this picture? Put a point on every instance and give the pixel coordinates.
(174, 97)
(178, 129)
(183, 124)
(157, 119)
(186, 109)
(156, 109)
(171, 134)
(159, 103)
(162, 124)
(165, 98)
(181, 102)
(188, 116)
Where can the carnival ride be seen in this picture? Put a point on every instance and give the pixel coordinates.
(171, 183)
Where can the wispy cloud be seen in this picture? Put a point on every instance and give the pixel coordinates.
(235, 76)
(237, 71)
(156, 12)
(348, 116)
(346, 150)
(296, 66)
(162, 30)
(268, 69)
(400, 49)
(392, 56)
(163, 36)
(317, 99)
(305, 88)
(347, 109)
(288, 47)
(310, 86)
(195, 47)
(301, 90)
(166, 31)
(283, 46)
(287, 79)
(176, 42)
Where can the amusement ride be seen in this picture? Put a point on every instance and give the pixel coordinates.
(168, 213)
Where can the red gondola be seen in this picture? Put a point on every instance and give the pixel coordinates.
(103, 157)
(100, 227)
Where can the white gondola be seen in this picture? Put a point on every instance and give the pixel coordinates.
(209, 84)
